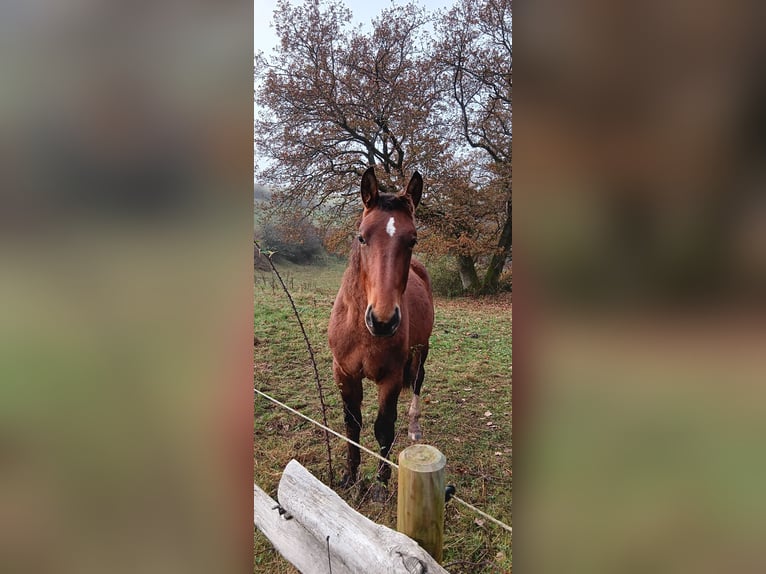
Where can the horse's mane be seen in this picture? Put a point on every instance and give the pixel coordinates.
(395, 202)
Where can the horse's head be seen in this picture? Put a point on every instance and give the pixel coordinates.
(387, 235)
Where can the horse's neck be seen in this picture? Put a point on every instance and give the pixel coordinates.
(352, 283)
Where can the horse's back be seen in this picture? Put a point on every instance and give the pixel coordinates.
(420, 303)
(420, 270)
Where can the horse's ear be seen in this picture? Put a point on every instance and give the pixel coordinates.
(415, 188)
(369, 188)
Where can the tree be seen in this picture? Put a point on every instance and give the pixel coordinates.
(462, 215)
(475, 52)
(341, 100)
(337, 100)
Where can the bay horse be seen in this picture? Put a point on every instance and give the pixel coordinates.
(382, 318)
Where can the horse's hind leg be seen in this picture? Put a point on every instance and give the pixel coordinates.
(414, 431)
(351, 392)
(388, 395)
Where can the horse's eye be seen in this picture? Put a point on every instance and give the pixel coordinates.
(361, 240)
(413, 241)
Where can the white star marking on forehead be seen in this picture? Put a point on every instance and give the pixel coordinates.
(390, 227)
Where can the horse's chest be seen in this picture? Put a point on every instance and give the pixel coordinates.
(360, 354)
(378, 367)
(369, 361)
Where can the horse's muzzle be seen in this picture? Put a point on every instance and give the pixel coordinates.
(382, 328)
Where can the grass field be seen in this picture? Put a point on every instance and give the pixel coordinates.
(466, 412)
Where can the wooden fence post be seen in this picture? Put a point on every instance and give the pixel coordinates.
(420, 503)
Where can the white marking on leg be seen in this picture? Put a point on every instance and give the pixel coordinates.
(414, 414)
(390, 227)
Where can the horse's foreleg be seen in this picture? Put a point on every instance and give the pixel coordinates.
(388, 395)
(351, 392)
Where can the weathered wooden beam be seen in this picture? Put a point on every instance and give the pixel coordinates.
(321, 519)
(296, 544)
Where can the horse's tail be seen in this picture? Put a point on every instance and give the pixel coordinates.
(408, 373)
(412, 366)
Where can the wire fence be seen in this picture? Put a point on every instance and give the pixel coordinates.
(377, 456)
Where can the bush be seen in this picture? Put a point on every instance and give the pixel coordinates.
(445, 278)
(297, 243)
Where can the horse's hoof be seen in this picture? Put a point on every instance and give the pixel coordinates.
(379, 492)
(414, 433)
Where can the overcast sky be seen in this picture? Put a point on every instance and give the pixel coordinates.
(363, 11)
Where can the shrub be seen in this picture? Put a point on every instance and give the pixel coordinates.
(298, 243)
(445, 278)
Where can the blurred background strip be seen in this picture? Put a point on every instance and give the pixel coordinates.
(640, 251)
(125, 286)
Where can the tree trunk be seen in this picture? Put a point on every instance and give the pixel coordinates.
(497, 263)
(467, 270)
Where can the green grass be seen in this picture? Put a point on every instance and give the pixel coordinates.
(468, 373)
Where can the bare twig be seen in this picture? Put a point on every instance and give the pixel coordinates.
(313, 362)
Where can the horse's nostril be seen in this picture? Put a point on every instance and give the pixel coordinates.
(382, 328)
